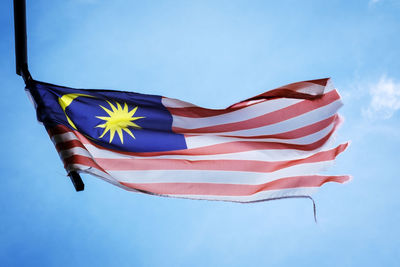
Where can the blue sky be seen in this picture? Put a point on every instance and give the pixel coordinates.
(211, 53)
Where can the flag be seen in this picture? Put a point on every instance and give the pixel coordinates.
(269, 146)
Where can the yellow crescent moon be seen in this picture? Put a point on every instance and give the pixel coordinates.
(65, 101)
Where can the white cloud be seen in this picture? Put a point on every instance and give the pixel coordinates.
(385, 99)
(94, 1)
(373, 2)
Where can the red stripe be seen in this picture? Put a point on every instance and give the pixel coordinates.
(277, 93)
(322, 82)
(199, 112)
(235, 189)
(69, 144)
(294, 134)
(220, 165)
(58, 129)
(268, 118)
(291, 91)
(82, 160)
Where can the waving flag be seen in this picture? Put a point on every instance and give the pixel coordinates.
(269, 146)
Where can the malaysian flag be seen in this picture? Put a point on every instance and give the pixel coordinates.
(270, 146)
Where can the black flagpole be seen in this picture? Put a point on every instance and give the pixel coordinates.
(21, 59)
(21, 62)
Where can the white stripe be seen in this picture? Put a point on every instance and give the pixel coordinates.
(208, 140)
(312, 88)
(234, 116)
(219, 177)
(264, 155)
(98, 173)
(263, 195)
(64, 137)
(86, 169)
(76, 151)
(303, 191)
(175, 103)
(294, 123)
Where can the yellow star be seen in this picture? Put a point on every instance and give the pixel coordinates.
(119, 119)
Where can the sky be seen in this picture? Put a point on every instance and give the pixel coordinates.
(213, 54)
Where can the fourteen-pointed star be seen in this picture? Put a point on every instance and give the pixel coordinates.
(120, 119)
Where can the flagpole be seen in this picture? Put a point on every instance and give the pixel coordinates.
(21, 63)
(21, 58)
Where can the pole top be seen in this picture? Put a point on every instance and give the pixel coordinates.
(21, 54)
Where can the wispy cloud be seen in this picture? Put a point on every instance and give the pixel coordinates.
(373, 2)
(385, 99)
(95, 1)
